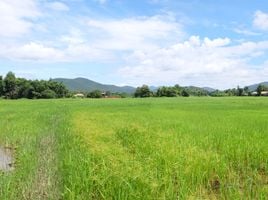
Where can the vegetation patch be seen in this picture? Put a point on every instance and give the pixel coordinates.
(179, 148)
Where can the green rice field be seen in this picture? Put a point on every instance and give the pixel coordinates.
(155, 148)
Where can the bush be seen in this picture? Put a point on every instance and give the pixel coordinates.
(94, 94)
(185, 93)
(48, 94)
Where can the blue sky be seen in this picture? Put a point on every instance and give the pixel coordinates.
(219, 43)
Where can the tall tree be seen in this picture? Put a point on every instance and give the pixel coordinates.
(246, 90)
(58, 88)
(10, 85)
(260, 88)
(22, 88)
(143, 91)
(1, 86)
(239, 91)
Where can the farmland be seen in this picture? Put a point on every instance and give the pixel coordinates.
(177, 148)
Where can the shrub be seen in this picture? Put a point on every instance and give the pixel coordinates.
(185, 93)
(48, 94)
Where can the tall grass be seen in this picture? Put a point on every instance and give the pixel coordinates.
(194, 148)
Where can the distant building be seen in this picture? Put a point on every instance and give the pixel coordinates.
(104, 95)
(264, 93)
(79, 95)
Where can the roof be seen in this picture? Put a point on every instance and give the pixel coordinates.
(79, 95)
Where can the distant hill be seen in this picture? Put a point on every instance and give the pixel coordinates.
(153, 88)
(254, 86)
(86, 85)
(209, 89)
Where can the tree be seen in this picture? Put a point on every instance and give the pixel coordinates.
(195, 91)
(178, 88)
(48, 94)
(239, 91)
(184, 93)
(39, 86)
(24, 88)
(166, 92)
(58, 88)
(246, 90)
(1, 86)
(218, 93)
(143, 91)
(260, 88)
(10, 86)
(94, 94)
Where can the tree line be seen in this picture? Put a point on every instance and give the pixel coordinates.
(170, 91)
(174, 91)
(15, 88)
(12, 87)
(240, 91)
(107, 94)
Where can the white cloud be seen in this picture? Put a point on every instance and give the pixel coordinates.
(102, 40)
(153, 49)
(16, 17)
(32, 51)
(74, 37)
(246, 32)
(136, 33)
(86, 52)
(204, 62)
(261, 20)
(219, 42)
(58, 6)
(73, 52)
(79, 49)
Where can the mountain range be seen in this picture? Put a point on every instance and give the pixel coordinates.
(254, 86)
(86, 85)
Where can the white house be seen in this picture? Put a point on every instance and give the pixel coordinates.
(79, 95)
(264, 93)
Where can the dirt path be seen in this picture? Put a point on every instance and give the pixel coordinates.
(45, 182)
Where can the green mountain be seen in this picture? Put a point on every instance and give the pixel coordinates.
(86, 85)
(254, 86)
(209, 89)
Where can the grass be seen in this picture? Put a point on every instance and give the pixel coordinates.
(179, 148)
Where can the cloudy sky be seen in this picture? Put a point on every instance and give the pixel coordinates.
(219, 43)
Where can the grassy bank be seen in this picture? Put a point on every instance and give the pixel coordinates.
(206, 148)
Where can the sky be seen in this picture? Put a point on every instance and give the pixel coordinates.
(220, 44)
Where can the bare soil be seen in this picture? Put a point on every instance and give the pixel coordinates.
(6, 160)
